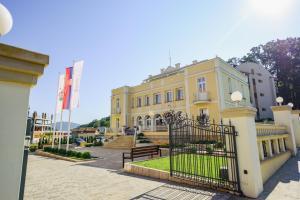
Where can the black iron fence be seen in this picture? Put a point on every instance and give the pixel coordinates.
(204, 153)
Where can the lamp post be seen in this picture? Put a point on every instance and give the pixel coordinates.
(236, 97)
(279, 100)
(6, 21)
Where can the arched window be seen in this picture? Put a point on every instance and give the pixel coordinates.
(159, 120)
(139, 121)
(148, 121)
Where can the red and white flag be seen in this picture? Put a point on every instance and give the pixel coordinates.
(67, 88)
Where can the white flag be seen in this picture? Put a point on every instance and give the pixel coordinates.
(60, 93)
(77, 70)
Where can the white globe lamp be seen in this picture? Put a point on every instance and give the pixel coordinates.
(6, 21)
(291, 104)
(236, 97)
(279, 100)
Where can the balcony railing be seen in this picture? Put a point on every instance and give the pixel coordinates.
(201, 97)
(116, 111)
(270, 129)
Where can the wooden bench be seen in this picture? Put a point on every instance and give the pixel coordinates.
(137, 152)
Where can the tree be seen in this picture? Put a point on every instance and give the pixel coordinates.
(282, 59)
(105, 121)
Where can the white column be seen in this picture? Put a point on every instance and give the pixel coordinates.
(282, 145)
(276, 146)
(269, 148)
(261, 150)
(296, 124)
(246, 142)
(283, 116)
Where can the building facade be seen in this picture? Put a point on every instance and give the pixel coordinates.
(200, 88)
(261, 87)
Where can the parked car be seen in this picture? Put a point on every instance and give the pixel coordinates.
(79, 141)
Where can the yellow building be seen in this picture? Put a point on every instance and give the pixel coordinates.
(202, 87)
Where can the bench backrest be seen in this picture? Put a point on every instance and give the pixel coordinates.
(144, 150)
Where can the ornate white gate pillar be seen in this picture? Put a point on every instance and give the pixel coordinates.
(247, 150)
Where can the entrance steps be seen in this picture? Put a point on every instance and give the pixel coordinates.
(122, 142)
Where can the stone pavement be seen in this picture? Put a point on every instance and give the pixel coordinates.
(102, 179)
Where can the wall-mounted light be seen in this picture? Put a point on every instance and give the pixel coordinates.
(6, 21)
(279, 100)
(236, 97)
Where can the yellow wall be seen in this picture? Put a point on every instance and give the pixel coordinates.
(271, 165)
(216, 72)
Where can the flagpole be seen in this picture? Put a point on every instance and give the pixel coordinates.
(54, 124)
(70, 109)
(60, 129)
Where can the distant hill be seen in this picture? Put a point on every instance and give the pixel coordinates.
(65, 125)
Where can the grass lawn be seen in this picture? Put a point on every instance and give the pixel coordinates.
(200, 165)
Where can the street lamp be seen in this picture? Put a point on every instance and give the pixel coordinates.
(291, 104)
(6, 20)
(279, 100)
(236, 97)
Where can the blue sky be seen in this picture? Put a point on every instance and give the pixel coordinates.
(122, 42)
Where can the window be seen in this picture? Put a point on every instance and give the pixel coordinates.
(148, 121)
(229, 86)
(260, 81)
(263, 109)
(117, 123)
(157, 98)
(201, 84)
(259, 74)
(179, 94)
(132, 102)
(252, 71)
(147, 101)
(118, 103)
(139, 102)
(253, 80)
(169, 96)
(262, 94)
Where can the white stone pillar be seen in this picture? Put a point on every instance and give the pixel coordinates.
(276, 146)
(261, 150)
(269, 148)
(19, 71)
(296, 124)
(282, 145)
(283, 116)
(248, 157)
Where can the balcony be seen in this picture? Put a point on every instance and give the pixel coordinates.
(116, 111)
(201, 97)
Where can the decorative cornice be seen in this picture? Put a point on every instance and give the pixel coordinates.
(21, 66)
(239, 112)
(296, 112)
(281, 108)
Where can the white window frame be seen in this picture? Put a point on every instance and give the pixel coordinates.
(169, 96)
(201, 84)
(178, 96)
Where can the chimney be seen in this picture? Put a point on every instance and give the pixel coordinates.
(177, 65)
(195, 61)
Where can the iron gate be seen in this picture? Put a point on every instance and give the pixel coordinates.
(204, 153)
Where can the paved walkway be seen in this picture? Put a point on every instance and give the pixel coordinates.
(102, 179)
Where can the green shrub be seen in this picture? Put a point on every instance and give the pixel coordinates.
(164, 146)
(33, 147)
(193, 150)
(145, 141)
(47, 149)
(88, 144)
(209, 150)
(62, 152)
(140, 135)
(100, 143)
(78, 155)
(55, 150)
(86, 155)
(69, 153)
(219, 145)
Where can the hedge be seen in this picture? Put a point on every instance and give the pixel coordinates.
(70, 153)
